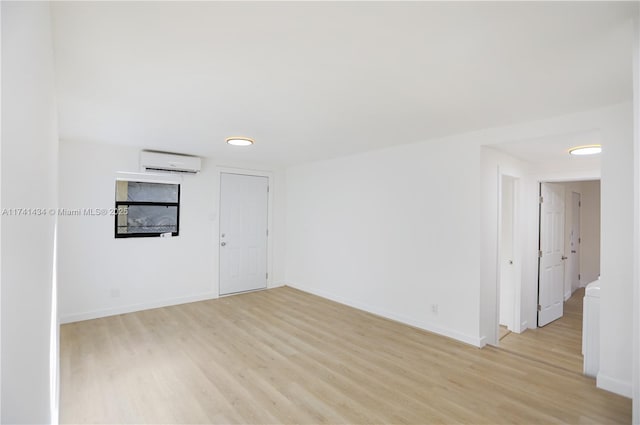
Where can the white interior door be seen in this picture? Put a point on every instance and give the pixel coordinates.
(243, 232)
(507, 253)
(551, 265)
(574, 242)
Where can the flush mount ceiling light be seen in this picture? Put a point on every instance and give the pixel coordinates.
(240, 141)
(586, 150)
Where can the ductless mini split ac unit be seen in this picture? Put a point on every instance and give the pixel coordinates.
(169, 162)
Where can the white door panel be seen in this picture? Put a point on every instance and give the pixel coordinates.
(551, 267)
(243, 232)
(507, 253)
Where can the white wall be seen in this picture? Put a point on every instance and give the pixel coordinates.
(636, 214)
(138, 273)
(29, 180)
(0, 221)
(393, 231)
(617, 220)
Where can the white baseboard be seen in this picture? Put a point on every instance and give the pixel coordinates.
(468, 339)
(77, 317)
(567, 295)
(276, 285)
(523, 326)
(614, 385)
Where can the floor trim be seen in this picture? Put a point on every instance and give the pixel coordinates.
(614, 385)
(96, 314)
(468, 339)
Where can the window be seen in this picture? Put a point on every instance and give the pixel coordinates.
(146, 209)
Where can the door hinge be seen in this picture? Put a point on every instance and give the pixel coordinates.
(267, 232)
(579, 240)
(579, 276)
(579, 204)
(267, 275)
(267, 189)
(539, 254)
(541, 199)
(539, 307)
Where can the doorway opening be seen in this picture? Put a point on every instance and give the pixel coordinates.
(569, 243)
(568, 260)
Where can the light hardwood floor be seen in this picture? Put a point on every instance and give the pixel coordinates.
(284, 356)
(559, 343)
(503, 332)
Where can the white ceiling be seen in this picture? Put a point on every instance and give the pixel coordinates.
(553, 151)
(317, 80)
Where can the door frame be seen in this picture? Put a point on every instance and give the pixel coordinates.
(531, 249)
(526, 246)
(216, 236)
(517, 255)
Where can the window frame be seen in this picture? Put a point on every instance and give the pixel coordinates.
(121, 204)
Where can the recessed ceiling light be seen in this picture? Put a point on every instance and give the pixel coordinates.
(586, 150)
(240, 141)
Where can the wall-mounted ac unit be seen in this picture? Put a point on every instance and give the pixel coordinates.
(169, 162)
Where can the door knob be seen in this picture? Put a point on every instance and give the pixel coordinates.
(572, 251)
(223, 243)
(563, 257)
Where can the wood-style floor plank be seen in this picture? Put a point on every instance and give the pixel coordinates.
(284, 356)
(559, 343)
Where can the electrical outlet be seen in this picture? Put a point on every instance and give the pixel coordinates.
(434, 309)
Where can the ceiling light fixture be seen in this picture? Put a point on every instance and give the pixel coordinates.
(240, 141)
(586, 150)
